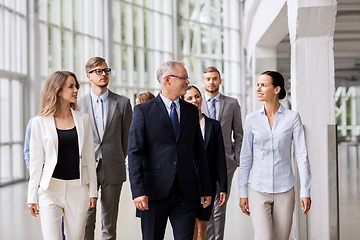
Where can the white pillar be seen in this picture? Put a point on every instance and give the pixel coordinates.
(311, 27)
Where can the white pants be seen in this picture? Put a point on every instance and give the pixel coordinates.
(271, 214)
(63, 198)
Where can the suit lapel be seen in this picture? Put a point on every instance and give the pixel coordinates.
(208, 127)
(162, 109)
(112, 103)
(50, 123)
(183, 114)
(222, 103)
(204, 108)
(79, 129)
(89, 110)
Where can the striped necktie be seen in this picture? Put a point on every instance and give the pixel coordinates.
(212, 111)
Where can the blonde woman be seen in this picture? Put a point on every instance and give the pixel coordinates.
(65, 185)
(266, 150)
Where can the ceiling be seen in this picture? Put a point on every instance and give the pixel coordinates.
(346, 46)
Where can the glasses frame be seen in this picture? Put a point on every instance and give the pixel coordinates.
(107, 71)
(182, 78)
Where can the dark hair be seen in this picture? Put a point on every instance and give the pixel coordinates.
(190, 87)
(277, 80)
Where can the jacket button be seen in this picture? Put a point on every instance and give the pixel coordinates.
(174, 163)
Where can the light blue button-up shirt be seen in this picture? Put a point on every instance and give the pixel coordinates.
(168, 102)
(95, 104)
(267, 152)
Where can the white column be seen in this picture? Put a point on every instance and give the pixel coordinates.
(311, 27)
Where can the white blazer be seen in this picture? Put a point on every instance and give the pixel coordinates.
(44, 142)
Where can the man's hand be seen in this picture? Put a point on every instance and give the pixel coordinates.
(305, 204)
(244, 205)
(222, 199)
(205, 201)
(33, 209)
(93, 202)
(141, 203)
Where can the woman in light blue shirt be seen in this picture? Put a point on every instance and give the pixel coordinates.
(266, 150)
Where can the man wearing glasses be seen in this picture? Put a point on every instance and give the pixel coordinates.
(110, 117)
(167, 158)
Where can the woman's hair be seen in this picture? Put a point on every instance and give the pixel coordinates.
(144, 97)
(277, 80)
(50, 94)
(190, 87)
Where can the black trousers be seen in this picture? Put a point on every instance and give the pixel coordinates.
(178, 209)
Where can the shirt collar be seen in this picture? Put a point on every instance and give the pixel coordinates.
(103, 97)
(280, 110)
(168, 102)
(207, 97)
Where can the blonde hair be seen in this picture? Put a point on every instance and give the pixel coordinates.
(144, 97)
(50, 94)
(93, 62)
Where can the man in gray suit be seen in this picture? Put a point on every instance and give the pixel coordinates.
(110, 116)
(227, 111)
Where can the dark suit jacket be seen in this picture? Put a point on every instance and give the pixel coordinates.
(215, 153)
(113, 145)
(155, 155)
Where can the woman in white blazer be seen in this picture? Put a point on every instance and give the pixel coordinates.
(66, 184)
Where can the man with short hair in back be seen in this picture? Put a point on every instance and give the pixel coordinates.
(110, 116)
(226, 110)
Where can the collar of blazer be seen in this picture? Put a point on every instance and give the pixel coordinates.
(79, 123)
(164, 113)
(208, 127)
(205, 109)
(112, 104)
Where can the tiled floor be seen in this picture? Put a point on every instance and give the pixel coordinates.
(16, 223)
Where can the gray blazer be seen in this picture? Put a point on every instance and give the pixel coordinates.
(230, 120)
(115, 139)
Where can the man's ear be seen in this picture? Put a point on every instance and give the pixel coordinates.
(88, 76)
(220, 81)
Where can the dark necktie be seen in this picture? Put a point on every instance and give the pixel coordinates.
(174, 118)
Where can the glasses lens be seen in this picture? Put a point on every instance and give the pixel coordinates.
(107, 70)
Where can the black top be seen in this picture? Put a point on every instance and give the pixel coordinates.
(67, 167)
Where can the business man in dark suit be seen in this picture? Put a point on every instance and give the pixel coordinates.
(110, 117)
(227, 111)
(165, 148)
(215, 153)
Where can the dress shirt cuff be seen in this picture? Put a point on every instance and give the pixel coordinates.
(305, 192)
(243, 192)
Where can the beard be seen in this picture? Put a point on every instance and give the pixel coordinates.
(214, 90)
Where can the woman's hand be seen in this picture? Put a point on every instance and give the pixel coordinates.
(33, 209)
(244, 205)
(222, 199)
(305, 204)
(93, 202)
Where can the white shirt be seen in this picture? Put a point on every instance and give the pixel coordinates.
(202, 127)
(168, 102)
(267, 152)
(217, 103)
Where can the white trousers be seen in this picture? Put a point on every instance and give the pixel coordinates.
(63, 198)
(271, 214)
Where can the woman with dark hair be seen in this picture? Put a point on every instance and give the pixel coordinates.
(266, 150)
(66, 184)
(215, 153)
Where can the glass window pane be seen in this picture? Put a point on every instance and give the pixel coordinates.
(18, 163)
(5, 110)
(16, 109)
(5, 160)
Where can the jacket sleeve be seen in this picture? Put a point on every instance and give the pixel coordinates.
(136, 153)
(36, 159)
(238, 132)
(221, 159)
(126, 121)
(89, 156)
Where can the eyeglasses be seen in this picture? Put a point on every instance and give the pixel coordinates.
(184, 78)
(100, 71)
